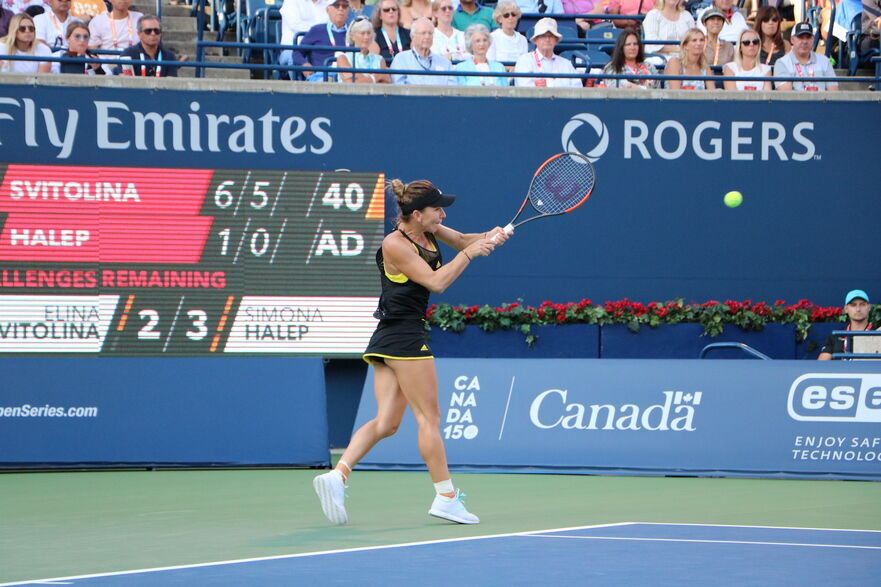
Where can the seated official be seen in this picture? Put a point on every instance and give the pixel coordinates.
(329, 34)
(420, 57)
(149, 48)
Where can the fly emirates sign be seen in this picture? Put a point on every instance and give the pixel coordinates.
(119, 126)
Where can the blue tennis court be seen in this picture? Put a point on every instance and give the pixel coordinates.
(613, 554)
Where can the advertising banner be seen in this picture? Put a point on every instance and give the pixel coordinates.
(793, 419)
(655, 228)
(176, 412)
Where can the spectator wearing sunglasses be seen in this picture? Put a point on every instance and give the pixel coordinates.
(774, 46)
(22, 40)
(507, 44)
(329, 34)
(391, 37)
(52, 24)
(150, 48)
(448, 41)
(718, 51)
(78, 46)
(747, 64)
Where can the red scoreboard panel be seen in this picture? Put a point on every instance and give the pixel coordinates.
(129, 261)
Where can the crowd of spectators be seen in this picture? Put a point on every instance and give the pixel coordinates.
(53, 29)
(439, 36)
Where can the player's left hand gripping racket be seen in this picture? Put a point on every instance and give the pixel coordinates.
(561, 184)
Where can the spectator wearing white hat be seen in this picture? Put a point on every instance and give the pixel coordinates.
(857, 309)
(803, 63)
(544, 61)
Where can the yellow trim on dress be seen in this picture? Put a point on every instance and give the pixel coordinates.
(367, 358)
(397, 278)
(400, 277)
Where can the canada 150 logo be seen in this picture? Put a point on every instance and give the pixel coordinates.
(836, 397)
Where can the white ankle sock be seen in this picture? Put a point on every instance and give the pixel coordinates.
(444, 487)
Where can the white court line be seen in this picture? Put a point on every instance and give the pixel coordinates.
(748, 526)
(707, 541)
(306, 554)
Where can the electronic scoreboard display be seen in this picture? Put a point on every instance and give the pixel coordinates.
(136, 261)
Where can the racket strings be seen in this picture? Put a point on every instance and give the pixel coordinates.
(561, 184)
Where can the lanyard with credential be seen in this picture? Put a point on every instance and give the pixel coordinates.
(391, 47)
(131, 32)
(158, 67)
(330, 36)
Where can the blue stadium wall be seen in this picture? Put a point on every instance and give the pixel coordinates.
(655, 227)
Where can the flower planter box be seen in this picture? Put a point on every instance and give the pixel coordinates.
(577, 341)
(820, 331)
(685, 341)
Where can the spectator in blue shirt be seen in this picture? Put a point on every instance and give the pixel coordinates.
(328, 34)
(420, 58)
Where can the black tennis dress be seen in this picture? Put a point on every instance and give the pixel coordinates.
(400, 333)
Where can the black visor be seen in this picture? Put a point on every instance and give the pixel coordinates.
(433, 197)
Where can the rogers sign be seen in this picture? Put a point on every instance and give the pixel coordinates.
(708, 140)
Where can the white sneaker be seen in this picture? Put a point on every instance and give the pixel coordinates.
(331, 490)
(452, 509)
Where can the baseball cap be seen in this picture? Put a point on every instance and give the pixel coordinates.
(710, 13)
(802, 28)
(432, 197)
(854, 294)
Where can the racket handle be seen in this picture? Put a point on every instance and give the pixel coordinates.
(509, 228)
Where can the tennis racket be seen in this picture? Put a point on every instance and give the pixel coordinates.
(561, 184)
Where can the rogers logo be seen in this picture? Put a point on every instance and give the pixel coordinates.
(708, 140)
(591, 120)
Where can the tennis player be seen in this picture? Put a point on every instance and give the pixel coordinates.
(411, 268)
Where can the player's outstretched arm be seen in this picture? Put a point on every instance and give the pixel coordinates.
(400, 257)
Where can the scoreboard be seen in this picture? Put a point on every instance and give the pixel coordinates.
(136, 261)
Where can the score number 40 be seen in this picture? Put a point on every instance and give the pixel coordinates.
(352, 198)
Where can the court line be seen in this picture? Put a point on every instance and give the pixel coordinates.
(707, 541)
(750, 526)
(305, 554)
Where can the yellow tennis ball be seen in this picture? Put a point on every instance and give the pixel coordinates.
(733, 199)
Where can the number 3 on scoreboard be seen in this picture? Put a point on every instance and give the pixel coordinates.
(198, 325)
